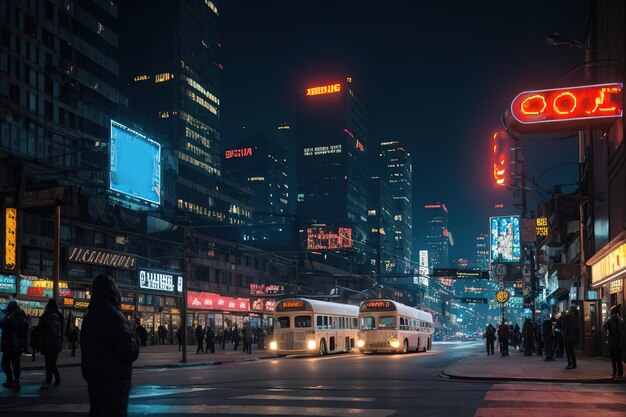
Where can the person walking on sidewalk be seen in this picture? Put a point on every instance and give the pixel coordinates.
(614, 328)
(527, 334)
(210, 339)
(51, 329)
(236, 336)
(179, 337)
(14, 339)
(108, 348)
(200, 338)
(570, 337)
(558, 347)
(248, 336)
(503, 338)
(548, 337)
(490, 338)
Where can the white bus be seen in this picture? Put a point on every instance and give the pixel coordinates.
(389, 326)
(312, 326)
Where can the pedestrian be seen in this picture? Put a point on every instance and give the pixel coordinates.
(210, 339)
(108, 348)
(223, 337)
(200, 338)
(614, 328)
(570, 337)
(548, 337)
(503, 338)
(236, 336)
(162, 331)
(490, 338)
(179, 337)
(72, 338)
(15, 331)
(142, 333)
(50, 327)
(248, 337)
(34, 342)
(517, 337)
(527, 334)
(558, 346)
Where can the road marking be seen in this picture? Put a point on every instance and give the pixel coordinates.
(298, 398)
(161, 392)
(153, 409)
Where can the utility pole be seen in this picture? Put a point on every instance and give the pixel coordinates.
(183, 319)
(57, 250)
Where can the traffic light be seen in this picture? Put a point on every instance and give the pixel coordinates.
(500, 158)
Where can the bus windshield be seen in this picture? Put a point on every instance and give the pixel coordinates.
(302, 321)
(386, 322)
(368, 323)
(282, 322)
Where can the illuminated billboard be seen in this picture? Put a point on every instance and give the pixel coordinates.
(238, 153)
(570, 108)
(323, 89)
(135, 164)
(505, 239)
(500, 157)
(328, 237)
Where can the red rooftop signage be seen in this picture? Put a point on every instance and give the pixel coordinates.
(571, 108)
(323, 89)
(238, 153)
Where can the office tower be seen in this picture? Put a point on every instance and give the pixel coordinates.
(333, 175)
(437, 235)
(261, 165)
(170, 72)
(396, 171)
(381, 227)
(482, 252)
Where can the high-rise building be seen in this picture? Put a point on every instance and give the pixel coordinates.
(437, 235)
(261, 165)
(333, 169)
(482, 252)
(170, 73)
(381, 227)
(397, 172)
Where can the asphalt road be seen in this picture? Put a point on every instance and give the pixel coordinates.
(338, 385)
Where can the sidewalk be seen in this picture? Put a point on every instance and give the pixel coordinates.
(159, 356)
(518, 367)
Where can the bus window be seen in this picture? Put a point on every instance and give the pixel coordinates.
(367, 323)
(319, 322)
(283, 322)
(325, 322)
(355, 323)
(386, 322)
(302, 321)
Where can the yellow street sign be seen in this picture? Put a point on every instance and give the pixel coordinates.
(502, 296)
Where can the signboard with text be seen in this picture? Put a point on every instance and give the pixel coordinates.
(211, 301)
(505, 239)
(154, 280)
(7, 284)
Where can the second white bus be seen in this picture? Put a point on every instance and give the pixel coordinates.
(304, 326)
(390, 326)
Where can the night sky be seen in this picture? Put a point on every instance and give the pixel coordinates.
(435, 75)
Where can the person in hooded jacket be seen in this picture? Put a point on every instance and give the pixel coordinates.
(14, 340)
(50, 327)
(614, 328)
(108, 348)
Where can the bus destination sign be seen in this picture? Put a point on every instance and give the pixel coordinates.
(377, 305)
(292, 304)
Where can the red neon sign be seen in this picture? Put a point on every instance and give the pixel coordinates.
(210, 301)
(238, 153)
(323, 89)
(500, 154)
(569, 108)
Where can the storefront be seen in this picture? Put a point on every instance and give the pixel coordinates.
(608, 278)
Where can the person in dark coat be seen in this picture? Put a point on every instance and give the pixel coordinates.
(614, 327)
(162, 332)
(179, 337)
(490, 338)
(108, 348)
(548, 337)
(50, 327)
(503, 338)
(570, 337)
(248, 337)
(14, 340)
(200, 339)
(72, 338)
(517, 337)
(528, 335)
(210, 339)
(558, 346)
(236, 336)
(142, 333)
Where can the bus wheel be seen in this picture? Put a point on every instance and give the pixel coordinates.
(323, 350)
(405, 346)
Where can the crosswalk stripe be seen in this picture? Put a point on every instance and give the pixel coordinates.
(152, 409)
(298, 398)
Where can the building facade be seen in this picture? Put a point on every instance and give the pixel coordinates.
(482, 252)
(437, 235)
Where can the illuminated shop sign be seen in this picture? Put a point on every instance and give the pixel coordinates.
(505, 239)
(609, 266)
(568, 108)
(436, 206)
(238, 153)
(323, 89)
(7, 284)
(321, 238)
(37, 287)
(160, 281)
(210, 301)
(266, 289)
(101, 257)
(263, 304)
(500, 157)
(10, 238)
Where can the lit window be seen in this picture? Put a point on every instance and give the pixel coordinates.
(160, 78)
(142, 77)
(371, 212)
(164, 114)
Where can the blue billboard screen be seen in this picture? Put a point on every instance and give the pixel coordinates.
(135, 164)
(505, 239)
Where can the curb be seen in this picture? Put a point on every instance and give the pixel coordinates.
(524, 379)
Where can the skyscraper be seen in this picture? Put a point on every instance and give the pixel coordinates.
(381, 227)
(482, 252)
(437, 235)
(170, 74)
(332, 169)
(396, 171)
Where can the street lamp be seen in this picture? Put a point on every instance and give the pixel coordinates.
(555, 39)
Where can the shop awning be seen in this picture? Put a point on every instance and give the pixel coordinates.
(607, 264)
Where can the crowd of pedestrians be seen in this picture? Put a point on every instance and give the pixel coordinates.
(557, 335)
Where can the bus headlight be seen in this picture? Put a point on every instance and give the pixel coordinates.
(360, 343)
(273, 345)
(394, 343)
(311, 345)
